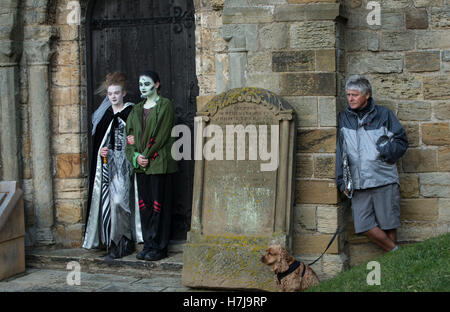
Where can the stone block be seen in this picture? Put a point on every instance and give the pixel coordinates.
(304, 167)
(316, 141)
(305, 110)
(359, 40)
(324, 166)
(375, 63)
(435, 184)
(444, 210)
(69, 119)
(71, 165)
(326, 60)
(266, 81)
(409, 186)
(273, 36)
(65, 96)
(69, 211)
(67, 53)
(392, 21)
(71, 143)
(417, 231)
(420, 209)
(307, 244)
(311, 84)
(414, 110)
(209, 19)
(259, 62)
(419, 160)
(247, 15)
(397, 41)
(293, 61)
(316, 192)
(327, 219)
(363, 252)
(304, 218)
(416, 19)
(70, 188)
(433, 39)
(222, 72)
(289, 13)
(436, 87)
(327, 112)
(322, 11)
(312, 35)
(412, 133)
(436, 133)
(441, 110)
(444, 159)
(427, 3)
(68, 32)
(396, 86)
(332, 265)
(66, 76)
(426, 61)
(440, 17)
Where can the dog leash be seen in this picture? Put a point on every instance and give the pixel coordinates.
(329, 244)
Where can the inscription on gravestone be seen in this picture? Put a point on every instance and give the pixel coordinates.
(243, 194)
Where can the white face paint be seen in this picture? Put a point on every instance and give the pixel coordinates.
(116, 94)
(147, 86)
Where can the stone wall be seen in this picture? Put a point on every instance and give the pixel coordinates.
(406, 58)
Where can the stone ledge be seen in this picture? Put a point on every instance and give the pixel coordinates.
(92, 262)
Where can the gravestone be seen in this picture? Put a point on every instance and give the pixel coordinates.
(243, 189)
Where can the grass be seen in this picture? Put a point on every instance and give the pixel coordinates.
(419, 267)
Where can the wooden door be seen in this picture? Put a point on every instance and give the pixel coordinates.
(137, 35)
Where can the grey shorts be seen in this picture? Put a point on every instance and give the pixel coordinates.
(379, 206)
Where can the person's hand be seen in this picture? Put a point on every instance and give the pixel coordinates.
(104, 152)
(142, 161)
(130, 139)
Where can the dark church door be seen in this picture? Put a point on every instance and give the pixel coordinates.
(137, 35)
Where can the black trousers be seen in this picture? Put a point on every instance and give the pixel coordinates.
(155, 203)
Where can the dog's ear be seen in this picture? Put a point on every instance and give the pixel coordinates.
(283, 263)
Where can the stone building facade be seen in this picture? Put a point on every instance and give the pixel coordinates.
(302, 50)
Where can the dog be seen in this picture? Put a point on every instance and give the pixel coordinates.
(290, 275)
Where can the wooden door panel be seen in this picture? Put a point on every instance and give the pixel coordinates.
(137, 35)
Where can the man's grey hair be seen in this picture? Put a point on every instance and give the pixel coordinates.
(359, 83)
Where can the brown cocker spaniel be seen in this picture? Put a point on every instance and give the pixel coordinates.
(291, 275)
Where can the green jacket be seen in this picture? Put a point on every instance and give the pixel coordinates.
(157, 138)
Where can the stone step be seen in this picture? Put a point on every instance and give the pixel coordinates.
(92, 261)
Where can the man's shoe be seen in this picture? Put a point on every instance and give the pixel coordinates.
(155, 256)
(141, 255)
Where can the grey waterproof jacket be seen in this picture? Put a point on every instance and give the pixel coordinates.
(373, 144)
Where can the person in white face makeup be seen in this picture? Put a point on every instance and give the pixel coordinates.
(109, 209)
(149, 150)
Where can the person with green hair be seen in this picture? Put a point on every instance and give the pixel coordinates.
(149, 127)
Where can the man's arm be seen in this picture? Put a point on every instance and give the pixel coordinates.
(397, 145)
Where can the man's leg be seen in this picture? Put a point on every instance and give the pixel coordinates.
(392, 234)
(379, 237)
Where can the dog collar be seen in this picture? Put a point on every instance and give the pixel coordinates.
(291, 269)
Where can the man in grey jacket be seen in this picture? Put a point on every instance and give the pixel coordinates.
(370, 141)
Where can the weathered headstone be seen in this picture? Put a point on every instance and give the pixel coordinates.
(243, 186)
